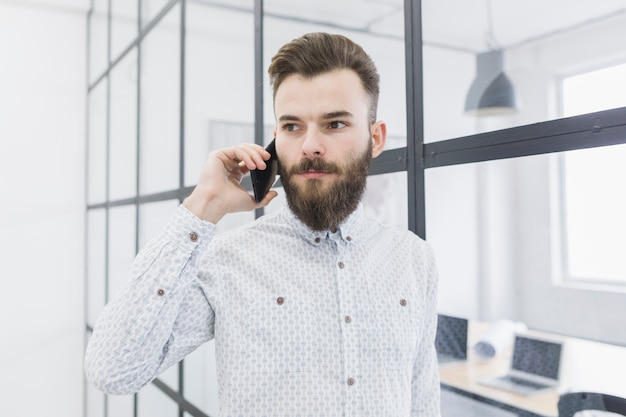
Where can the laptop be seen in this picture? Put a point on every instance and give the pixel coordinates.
(451, 339)
(534, 367)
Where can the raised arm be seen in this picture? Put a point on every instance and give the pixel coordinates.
(161, 314)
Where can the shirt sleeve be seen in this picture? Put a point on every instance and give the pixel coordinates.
(160, 315)
(426, 385)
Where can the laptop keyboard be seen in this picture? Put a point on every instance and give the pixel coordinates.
(525, 383)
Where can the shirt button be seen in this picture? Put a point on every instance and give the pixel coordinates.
(403, 302)
(349, 239)
(341, 265)
(280, 301)
(318, 240)
(351, 381)
(193, 236)
(348, 319)
(161, 292)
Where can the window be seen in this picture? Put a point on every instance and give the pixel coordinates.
(593, 200)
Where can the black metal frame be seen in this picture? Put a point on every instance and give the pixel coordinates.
(258, 82)
(415, 117)
(591, 130)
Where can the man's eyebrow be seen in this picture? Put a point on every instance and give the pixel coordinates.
(324, 116)
(289, 118)
(336, 114)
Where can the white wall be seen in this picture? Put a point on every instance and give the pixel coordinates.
(42, 95)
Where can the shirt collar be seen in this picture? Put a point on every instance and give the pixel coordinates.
(349, 231)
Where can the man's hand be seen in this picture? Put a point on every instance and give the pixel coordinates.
(219, 189)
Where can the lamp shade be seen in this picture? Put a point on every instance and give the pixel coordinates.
(491, 92)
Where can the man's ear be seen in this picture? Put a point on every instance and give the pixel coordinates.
(379, 138)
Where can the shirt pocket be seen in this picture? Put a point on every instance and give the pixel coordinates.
(283, 334)
(390, 336)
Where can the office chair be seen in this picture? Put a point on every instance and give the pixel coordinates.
(573, 402)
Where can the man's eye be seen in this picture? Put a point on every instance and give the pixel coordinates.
(290, 127)
(337, 124)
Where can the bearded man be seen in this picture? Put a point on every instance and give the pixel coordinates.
(316, 310)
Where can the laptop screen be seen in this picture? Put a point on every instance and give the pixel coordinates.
(538, 357)
(451, 336)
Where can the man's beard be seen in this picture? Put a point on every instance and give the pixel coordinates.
(325, 206)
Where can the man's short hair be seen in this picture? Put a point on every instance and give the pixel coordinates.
(318, 53)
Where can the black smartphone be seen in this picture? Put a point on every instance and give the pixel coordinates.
(263, 179)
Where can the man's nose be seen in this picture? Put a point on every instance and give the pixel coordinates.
(313, 145)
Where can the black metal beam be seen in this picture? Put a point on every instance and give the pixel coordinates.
(393, 160)
(259, 123)
(414, 116)
(591, 130)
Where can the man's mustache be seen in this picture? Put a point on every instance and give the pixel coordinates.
(316, 164)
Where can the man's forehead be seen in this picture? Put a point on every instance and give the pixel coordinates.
(334, 94)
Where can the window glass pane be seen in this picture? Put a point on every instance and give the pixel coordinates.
(170, 377)
(452, 221)
(495, 230)
(96, 144)
(98, 39)
(151, 9)
(96, 263)
(593, 208)
(94, 401)
(152, 219)
(595, 224)
(123, 129)
(201, 379)
(593, 91)
(377, 26)
(160, 105)
(124, 25)
(121, 405)
(121, 245)
(219, 107)
(385, 199)
(152, 402)
(466, 51)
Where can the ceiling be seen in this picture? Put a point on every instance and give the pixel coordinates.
(465, 23)
(69, 5)
(457, 24)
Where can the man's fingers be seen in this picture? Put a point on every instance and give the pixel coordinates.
(249, 155)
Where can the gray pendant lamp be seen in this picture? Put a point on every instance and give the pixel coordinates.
(492, 92)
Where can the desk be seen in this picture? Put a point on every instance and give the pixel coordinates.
(585, 365)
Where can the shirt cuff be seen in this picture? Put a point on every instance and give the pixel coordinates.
(188, 232)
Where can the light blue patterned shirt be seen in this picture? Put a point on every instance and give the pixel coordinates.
(305, 323)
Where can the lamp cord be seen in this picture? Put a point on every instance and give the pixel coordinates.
(490, 38)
